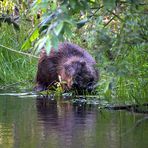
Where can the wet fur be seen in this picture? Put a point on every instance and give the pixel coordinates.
(73, 64)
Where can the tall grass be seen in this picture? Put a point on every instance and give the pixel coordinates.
(134, 84)
(128, 82)
(123, 80)
(15, 68)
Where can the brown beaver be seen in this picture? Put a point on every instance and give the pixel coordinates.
(70, 64)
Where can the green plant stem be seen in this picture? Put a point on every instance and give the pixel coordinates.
(20, 52)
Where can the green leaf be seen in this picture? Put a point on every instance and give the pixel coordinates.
(73, 4)
(34, 35)
(109, 4)
(53, 6)
(67, 30)
(82, 23)
(55, 41)
(41, 43)
(26, 45)
(58, 28)
(48, 46)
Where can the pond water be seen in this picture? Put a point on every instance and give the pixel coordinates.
(38, 123)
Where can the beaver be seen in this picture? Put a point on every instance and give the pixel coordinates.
(70, 64)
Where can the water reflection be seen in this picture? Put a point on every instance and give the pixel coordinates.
(44, 123)
(65, 125)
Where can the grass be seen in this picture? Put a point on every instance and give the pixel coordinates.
(122, 81)
(15, 68)
(127, 80)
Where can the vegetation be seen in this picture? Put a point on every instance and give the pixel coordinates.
(114, 31)
(16, 69)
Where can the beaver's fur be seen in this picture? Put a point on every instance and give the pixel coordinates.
(69, 63)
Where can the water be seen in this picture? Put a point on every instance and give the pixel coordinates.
(37, 123)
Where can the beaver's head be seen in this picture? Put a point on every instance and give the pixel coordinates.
(79, 75)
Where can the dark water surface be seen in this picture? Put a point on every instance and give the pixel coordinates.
(37, 123)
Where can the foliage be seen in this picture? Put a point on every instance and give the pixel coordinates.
(6, 6)
(16, 70)
(114, 31)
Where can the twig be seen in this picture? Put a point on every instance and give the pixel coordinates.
(109, 21)
(19, 52)
(115, 15)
